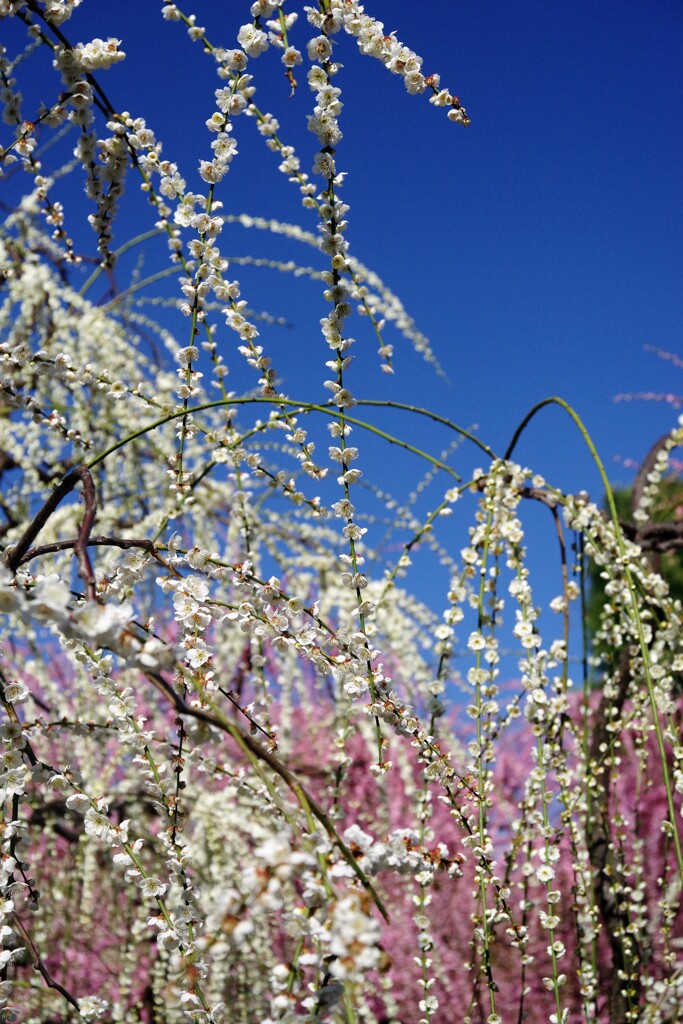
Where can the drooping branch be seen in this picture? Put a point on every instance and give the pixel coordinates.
(253, 748)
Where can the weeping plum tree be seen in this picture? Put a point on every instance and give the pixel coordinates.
(246, 774)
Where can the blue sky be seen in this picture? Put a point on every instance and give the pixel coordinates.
(540, 249)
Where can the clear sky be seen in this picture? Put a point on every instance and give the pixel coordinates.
(540, 249)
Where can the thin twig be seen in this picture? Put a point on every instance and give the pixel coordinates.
(39, 965)
(115, 542)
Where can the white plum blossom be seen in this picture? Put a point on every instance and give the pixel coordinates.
(98, 824)
(78, 802)
(92, 1007)
(11, 597)
(100, 624)
(354, 939)
(253, 40)
(98, 54)
(50, 599)
(151, 887)
(13, 782)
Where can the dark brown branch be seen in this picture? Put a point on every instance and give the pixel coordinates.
(7, 461)
(60, 492)
(114, 542)
(651, 537)
(17, 554)
(655, 537)
(85, 570)
(38, 963)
